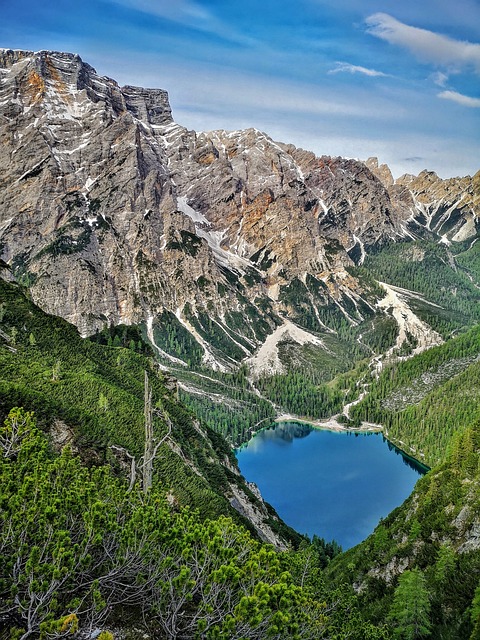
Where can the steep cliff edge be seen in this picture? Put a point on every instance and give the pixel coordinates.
(111, 213)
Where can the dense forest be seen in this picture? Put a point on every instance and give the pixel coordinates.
(87, 548)
(413, 399)
(83, 549)
(445, 275)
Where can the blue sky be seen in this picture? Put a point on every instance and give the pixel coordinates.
(357, 78)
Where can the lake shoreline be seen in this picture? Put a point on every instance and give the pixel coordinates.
(322, 483)
(331, 424)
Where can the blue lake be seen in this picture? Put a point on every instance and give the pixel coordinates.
(337, 485)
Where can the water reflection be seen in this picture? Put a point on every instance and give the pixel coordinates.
(287, 431)
(408, 460)
(279, 435)
(336, 485)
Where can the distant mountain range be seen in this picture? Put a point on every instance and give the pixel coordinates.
(112, 213)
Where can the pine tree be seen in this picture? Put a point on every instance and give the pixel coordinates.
(410, 610)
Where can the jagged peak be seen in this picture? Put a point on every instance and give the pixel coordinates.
(67, 71)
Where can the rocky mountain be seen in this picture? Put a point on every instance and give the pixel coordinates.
(111, 213)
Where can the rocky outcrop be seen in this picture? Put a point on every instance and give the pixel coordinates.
(112, 213)
(257, 513)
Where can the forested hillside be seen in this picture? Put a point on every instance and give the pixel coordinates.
(93, 552)
(438, 283)
(446, 275)
(81, 552)
(92, 397)
(423, 401)
(84, 550)
(421, 566)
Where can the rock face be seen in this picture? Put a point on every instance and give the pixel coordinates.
(450, 208)
(112, 213)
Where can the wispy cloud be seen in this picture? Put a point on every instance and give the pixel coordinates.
(189, 14)
(346, 67)
(440, 78)
(181, 11)
(459, 98)
(427, 46)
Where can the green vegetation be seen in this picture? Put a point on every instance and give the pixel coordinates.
(73, 237)
(410, 609)
(227, 402)
(215, 334)
(188, 242)
(79, 551)
(172, 337)
(93, 395)
(294, 393)
(413, 398)
(432, 270)
(129, 337)
(468, 257)
(431, 533)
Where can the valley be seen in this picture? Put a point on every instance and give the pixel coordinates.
(249, 282)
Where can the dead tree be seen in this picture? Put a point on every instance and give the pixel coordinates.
(148, 454)
(151, 443)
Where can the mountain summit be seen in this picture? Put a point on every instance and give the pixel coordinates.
(112, 213)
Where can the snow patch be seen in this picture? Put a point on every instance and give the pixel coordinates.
(213, 238)
(324, 206)
(89, 183)
(196, 216)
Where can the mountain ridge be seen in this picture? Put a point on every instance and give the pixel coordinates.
(153, 211)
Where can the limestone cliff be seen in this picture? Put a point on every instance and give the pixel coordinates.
(112, 213)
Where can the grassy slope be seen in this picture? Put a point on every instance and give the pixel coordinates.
(97, 392)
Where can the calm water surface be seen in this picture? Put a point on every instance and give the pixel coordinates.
(333, 484)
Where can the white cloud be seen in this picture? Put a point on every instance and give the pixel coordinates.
(426, 45)
(188, 13)
(459, 98)
(183, 11)
(439, 78)
(352, 68)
